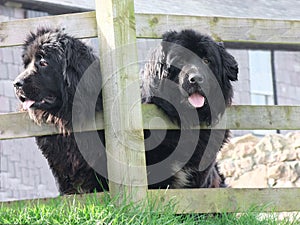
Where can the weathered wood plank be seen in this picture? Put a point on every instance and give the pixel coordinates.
(80, 25)
(238, 117)
(19, 125)
(216, 200)
(230, 199)
(243, 117)
(222, 28)
(83, 25)
(126, 163)
(261, 117)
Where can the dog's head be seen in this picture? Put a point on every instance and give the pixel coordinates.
(53, 62)
(39, 85)
(201, 69)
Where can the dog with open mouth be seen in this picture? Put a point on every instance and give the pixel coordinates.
(54, 63)
(188, 76)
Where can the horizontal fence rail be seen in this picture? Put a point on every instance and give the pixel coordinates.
(242, 117)
(243, 30)
(83, 25)
(208, 200)
(205, 200)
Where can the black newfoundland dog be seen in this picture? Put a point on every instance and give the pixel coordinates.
(54, 64)
(188, 76)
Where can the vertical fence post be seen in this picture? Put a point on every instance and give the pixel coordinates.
(121, 99)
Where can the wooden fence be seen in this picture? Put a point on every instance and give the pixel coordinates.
(116, 25)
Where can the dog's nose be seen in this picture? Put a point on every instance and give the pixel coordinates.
(196, 78)
(18, 83)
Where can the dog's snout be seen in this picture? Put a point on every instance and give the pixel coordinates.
(196, 78)
(18, 83)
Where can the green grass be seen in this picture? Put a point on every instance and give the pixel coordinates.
(102, 210)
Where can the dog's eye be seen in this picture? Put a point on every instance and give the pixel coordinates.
(206, 61)
(43, 63)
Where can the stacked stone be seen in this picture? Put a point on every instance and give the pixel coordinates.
(271, 161)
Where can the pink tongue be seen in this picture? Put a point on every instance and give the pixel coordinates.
(27, 104)
(196, 100)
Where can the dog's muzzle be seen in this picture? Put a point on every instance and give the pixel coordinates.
(195, 78)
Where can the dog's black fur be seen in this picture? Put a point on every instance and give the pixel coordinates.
(186, 66)
(54, 64)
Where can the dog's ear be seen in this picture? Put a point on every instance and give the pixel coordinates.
(67, 46)
(154, 68)
(66, 58)
(229, 63)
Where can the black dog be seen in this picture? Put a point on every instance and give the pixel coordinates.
(55, 65)
(189, 77)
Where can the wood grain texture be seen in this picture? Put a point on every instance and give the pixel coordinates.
(116, 29)
(205, 200)
(222, 28)
(211, 200)
(261, 117)
(80, 25)
(19, 125)
(243, 117)
(126, 163)
(83, 25)
(237, 117)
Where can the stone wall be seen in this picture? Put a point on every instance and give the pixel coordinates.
(270, 161)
